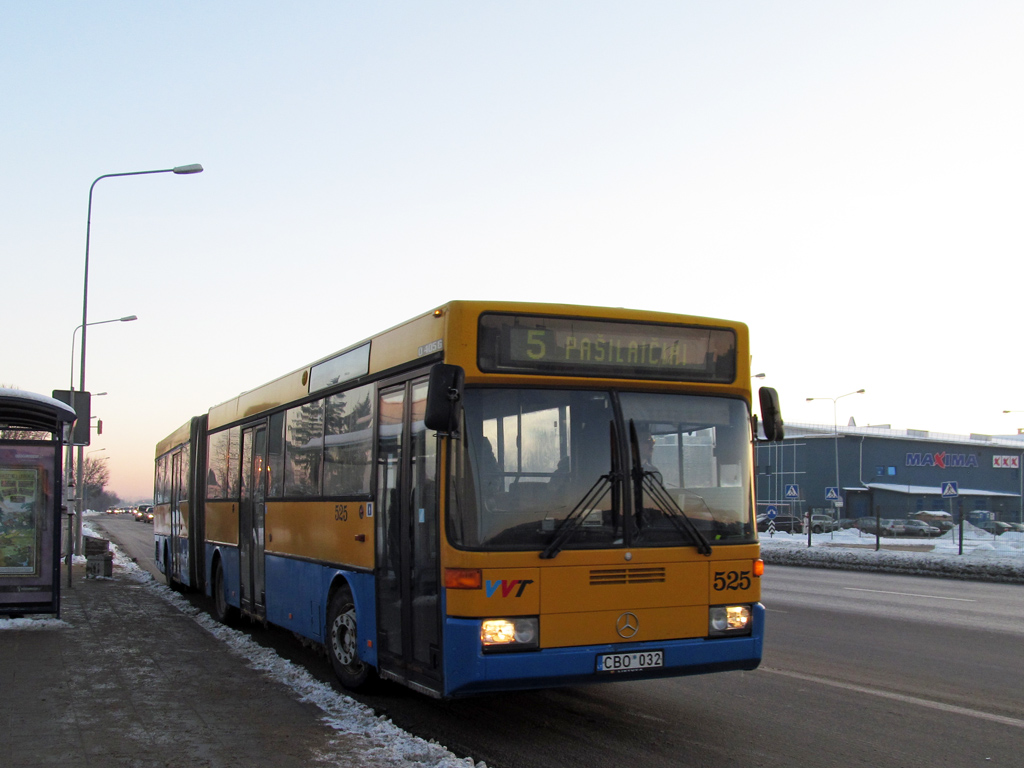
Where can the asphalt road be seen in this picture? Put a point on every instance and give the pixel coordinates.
(859, 669)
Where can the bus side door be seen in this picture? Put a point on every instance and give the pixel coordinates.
(174, 568)
(408, 604)
(251, 514)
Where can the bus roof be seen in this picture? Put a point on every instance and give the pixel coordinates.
(417, 340)
(177, 437)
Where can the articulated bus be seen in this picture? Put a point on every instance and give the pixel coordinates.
(490, 496)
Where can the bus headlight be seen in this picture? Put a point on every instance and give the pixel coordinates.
(729, 620)
(518, 634)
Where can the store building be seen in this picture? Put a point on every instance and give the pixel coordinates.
(853, 472)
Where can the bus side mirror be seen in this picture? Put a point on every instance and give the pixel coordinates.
(771, 414)
(444, 390)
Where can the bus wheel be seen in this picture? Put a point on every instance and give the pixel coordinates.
(341, 642)
(222, 611)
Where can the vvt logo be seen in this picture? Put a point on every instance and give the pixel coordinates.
(942, 460)
(507, 586)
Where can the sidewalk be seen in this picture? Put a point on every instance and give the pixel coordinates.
(126, 678)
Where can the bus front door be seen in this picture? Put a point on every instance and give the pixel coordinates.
(251, 514)
(408, 605)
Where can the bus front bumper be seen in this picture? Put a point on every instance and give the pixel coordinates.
(470, 671)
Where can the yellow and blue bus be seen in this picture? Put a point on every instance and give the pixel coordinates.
(490, 496)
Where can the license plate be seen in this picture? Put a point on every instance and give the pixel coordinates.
(630, 662)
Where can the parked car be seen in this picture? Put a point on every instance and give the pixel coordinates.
(920, 529)
(893, 527)
(781, 523)
(867, 525)
(1018, 527)
(822, 524)
(943, 525)
(888, 527)
(995, 527)
(847, 522)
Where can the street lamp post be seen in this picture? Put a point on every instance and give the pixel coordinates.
(75, 546)
(180, 170)
(74, 542)
(835, 431)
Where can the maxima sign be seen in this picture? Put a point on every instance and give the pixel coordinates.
(945, 460)
(942, 460)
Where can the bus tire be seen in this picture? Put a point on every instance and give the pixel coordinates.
(222, 610)
(342, 647)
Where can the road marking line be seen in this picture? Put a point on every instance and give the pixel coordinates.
(902, 698)
(910, 594)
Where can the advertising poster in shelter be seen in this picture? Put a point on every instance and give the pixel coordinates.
(20, 503)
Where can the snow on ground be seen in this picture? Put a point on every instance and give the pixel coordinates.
(32, 623)
(985, 557)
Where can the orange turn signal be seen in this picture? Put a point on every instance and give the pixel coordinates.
(759, 567)
(463, 578)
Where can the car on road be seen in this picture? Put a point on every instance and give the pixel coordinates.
(919, 529)
(781, 523)
(144, 513)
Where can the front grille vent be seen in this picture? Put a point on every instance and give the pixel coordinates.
(627, 576)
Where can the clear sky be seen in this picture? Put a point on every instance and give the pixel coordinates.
(845, 177)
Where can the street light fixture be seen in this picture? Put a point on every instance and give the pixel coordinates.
(125, 319)
(835, 431)
(180, 170)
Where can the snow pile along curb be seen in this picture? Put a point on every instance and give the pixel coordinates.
(980, 564)
(383, 744)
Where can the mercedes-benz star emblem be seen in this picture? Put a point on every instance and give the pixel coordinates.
(627, 625)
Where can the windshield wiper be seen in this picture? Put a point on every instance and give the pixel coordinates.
(650, 481)
(588, 503)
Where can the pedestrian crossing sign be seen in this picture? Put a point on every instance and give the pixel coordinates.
(792, 491)
(831, 494)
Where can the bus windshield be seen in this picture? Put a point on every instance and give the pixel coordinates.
(536, 466)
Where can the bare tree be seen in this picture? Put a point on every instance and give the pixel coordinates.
(95, 476)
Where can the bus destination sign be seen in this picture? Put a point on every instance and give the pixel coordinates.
(583, 347)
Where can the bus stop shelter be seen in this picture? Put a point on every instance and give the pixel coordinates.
(31, 436)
